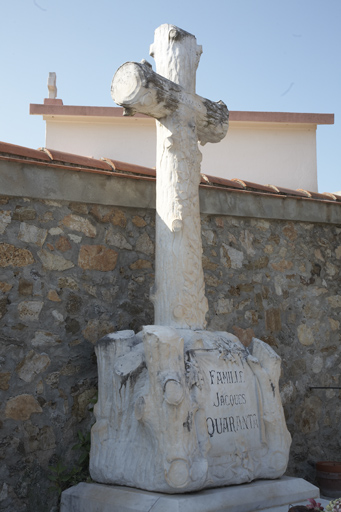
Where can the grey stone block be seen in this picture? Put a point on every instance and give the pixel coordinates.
(260, 496)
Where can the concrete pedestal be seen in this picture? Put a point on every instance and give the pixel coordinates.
(260, 496)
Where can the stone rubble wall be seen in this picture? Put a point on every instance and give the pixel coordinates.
(72, 272)
(280, 281)
(69, 274)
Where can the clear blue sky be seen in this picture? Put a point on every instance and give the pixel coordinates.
(267, 55)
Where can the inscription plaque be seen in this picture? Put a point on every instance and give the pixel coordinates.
(232, 408)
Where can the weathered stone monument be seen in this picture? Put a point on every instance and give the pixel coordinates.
(182, 409)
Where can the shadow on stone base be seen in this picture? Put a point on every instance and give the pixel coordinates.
(260, 496)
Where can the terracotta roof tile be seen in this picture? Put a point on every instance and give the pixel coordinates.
(255, 186)
(70, 158)
(288, 191)
(314, 195)
(330, 196)
(20, 151)
(214, 180)
(107, 166)
(116, 165)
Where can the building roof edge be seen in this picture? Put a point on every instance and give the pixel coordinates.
(235, 115)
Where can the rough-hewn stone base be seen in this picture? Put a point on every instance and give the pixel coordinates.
(181, 411)
(260, 496)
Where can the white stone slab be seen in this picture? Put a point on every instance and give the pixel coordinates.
(260, 496)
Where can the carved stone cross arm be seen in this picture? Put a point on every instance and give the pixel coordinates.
(183, 119)
(137, 88)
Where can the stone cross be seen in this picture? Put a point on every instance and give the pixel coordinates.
(179, 408)
(183, 118)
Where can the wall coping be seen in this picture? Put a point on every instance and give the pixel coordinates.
(21, 177)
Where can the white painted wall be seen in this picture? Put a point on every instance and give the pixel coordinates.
(130, 139)
(282, 154)
(276, 154)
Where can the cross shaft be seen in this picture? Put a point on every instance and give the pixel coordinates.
(183, 118)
